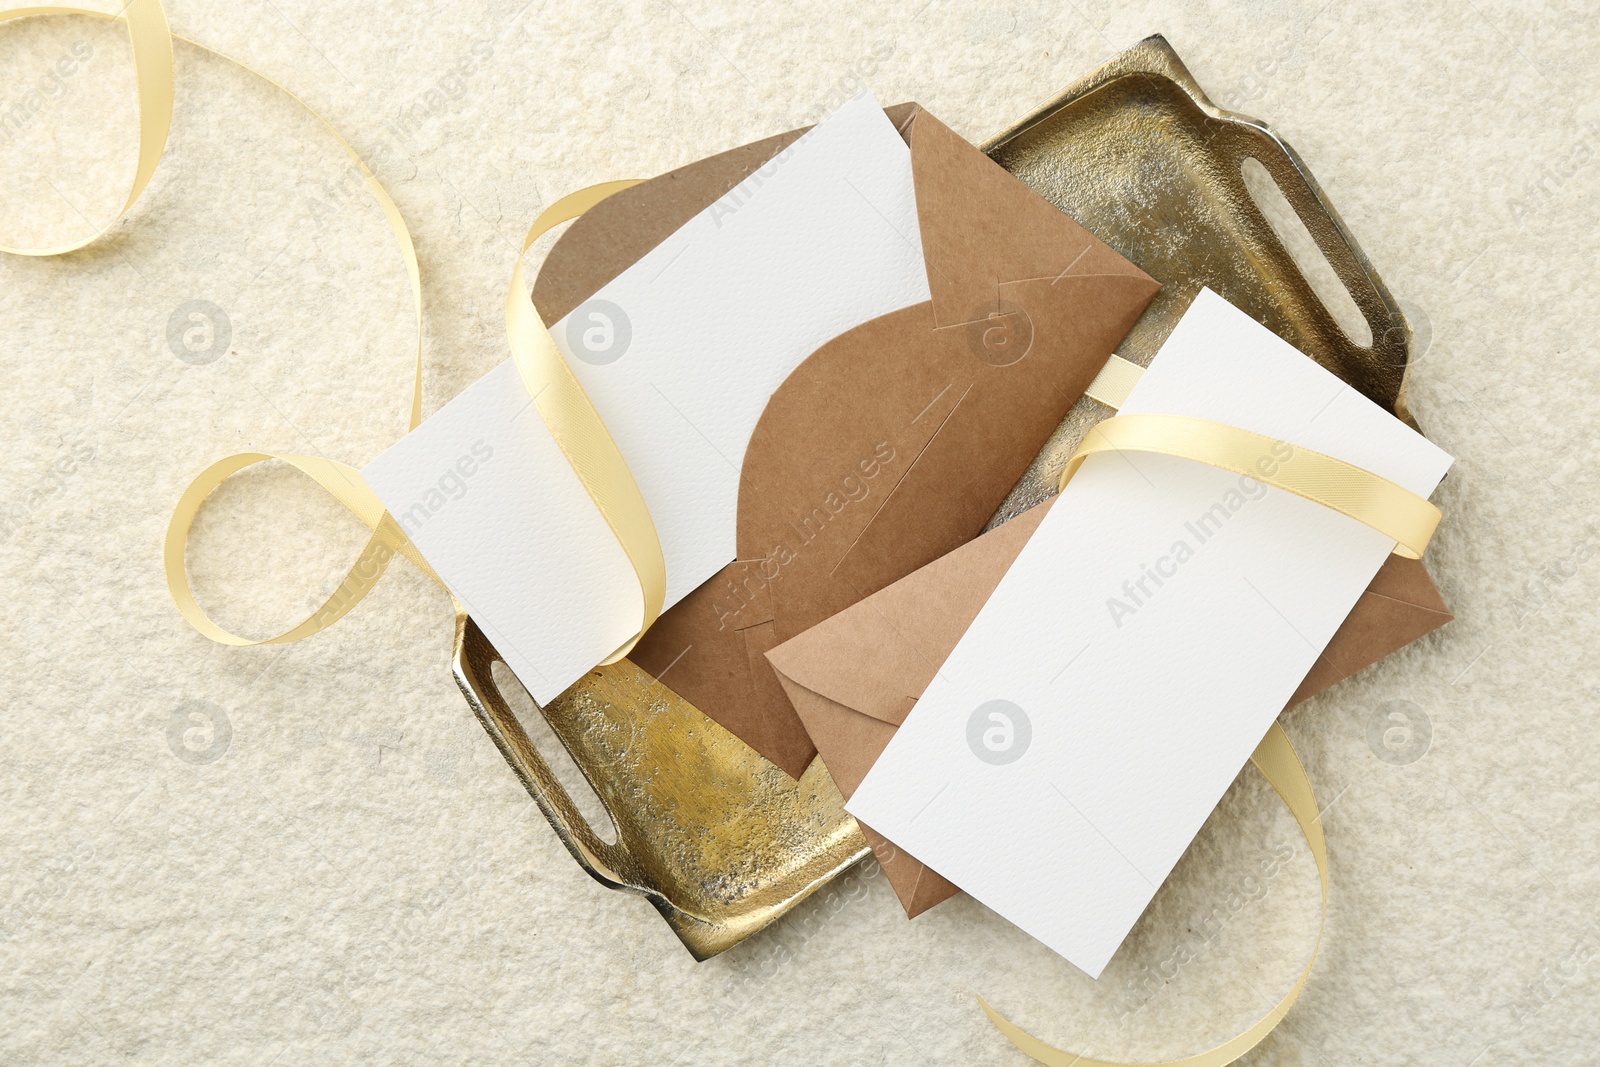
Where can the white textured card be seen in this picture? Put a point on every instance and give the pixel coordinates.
(1138, 649)
(680, 354)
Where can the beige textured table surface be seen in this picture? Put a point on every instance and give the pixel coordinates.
(340, 868)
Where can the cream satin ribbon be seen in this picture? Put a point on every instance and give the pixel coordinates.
(1350, 490)
(152, 63)
(1114, 382)
(584, 440)
(1393, 510)
(1275, 758)
(557, 396)
(575, 424)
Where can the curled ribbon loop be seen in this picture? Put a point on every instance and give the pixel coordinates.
(1393, 510)
(345, 484)
(151, 38)
(588, 446)
(1275, 758)
(557, 395)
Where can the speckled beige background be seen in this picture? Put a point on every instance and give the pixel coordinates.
(339, 868)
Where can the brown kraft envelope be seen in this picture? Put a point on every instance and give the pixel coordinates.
(855, 677)
(893, 443)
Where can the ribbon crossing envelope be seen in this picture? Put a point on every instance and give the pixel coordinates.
(854, 678)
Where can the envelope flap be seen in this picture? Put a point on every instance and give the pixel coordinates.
(848, 741)
(1400, 605)
(910, 626)
(982, 227)
(1406, 582)
(918, 886)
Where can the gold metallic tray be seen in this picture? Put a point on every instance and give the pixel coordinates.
(720, 841)
(1136, 152)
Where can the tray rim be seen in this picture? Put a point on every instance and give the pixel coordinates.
(1155, 56)
(1151, 57)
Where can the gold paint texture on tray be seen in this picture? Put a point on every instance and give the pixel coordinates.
(1138, 154)
(718, 839)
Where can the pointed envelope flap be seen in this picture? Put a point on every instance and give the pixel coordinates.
(1399, 606)
(876, 658)
(983, 228)
(852, 744)
(918, 886)
(854, 677)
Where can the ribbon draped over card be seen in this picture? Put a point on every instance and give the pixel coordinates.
(577, 427)
(1148, 634)
(1391, 509)
(681, 352)
(856, 677)
(559, 399)
(563, 405)
(893, 442)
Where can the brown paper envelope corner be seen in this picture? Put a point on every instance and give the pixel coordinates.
(854, 677)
